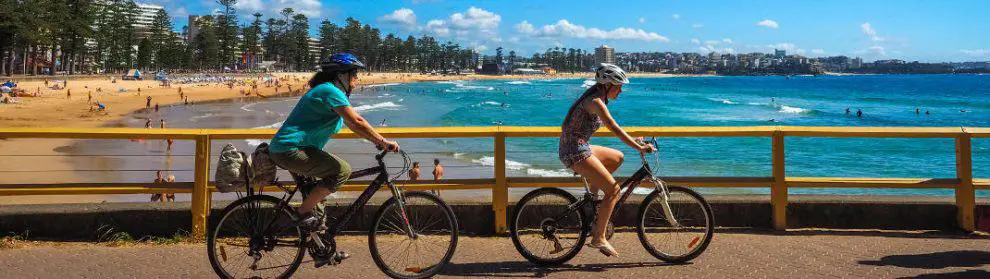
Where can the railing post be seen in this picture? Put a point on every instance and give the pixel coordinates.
(965, 193)
(778, 191)
(500, 193)
(200, 193)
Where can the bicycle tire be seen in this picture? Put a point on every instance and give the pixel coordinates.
(411, 215)
(214, 231)
(700, 244)
(514, 228)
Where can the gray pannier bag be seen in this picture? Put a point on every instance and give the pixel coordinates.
(263, 167)
(232, 173)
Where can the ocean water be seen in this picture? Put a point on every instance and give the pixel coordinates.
(885, 100)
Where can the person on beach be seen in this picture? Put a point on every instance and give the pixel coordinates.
(68, 94)
(170, 197)
(597, 163)
(319, 114)
(414, 172)
(147, 103)
(158, 180)
(156, 107)
(437, 174)
(147, 123)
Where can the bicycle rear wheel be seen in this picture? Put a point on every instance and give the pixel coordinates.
(544, 230)
(681, 238)
(432, 241)
(254, 237)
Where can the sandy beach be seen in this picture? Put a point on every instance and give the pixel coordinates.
(125, 99)
(55, 108)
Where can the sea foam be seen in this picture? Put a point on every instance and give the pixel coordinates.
(790, 109)
(378, 106)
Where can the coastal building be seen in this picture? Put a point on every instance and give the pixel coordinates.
(779, 53)
(856, 63)
(144, 17)
(604, 54)
(314, 50)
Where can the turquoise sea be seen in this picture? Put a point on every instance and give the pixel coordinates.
(885, 100)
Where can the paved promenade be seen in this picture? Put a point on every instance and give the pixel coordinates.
(796, 254)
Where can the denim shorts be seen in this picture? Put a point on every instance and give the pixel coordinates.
(314, 162)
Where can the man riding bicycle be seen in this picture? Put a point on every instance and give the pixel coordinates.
(319, 114)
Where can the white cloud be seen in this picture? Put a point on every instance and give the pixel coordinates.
(249, 5)
(475, 18)
(697, 25)
(403, 16)
(976, 52)
(438, 27)
(695, 41)
(675, 16)
(801, 51)
(873, 50)
(474, 21)
(768, 23)
(309, 8)
(870, 32)
(564, 28)
(525, 27)
(711, 48)
(727, 40)
(817, 51)
(789, 47)
(642, 20)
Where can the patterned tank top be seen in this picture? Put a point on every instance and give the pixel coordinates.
(580, 124)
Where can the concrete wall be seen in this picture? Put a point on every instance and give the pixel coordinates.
(88, 221)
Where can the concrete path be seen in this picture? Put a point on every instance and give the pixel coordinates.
(795, 254)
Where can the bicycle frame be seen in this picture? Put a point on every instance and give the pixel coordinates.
(629, 184)
(381, 179)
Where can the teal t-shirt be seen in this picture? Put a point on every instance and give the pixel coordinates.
(312, 121)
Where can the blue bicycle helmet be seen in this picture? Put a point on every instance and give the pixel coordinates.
(342, 62)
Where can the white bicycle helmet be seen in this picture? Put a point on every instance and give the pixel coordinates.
(610, 74)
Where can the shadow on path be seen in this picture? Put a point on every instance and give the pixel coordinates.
(937, 260)
(527, 269)
(943, 234)
(972, 273)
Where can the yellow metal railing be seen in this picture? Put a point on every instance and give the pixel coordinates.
(964, 184)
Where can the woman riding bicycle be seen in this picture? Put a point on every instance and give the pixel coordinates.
(319, 114)
(593, 162)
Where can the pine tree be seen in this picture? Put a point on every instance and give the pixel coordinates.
(161, 38)
(226, 31)
(329, 39)
(252, 38)
(145, 50)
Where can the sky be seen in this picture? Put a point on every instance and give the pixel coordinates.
(927, 31)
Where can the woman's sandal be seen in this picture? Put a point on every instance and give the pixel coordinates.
(604, 248)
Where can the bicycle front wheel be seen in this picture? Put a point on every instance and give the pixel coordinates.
(254, 237)
(545, 230)
(415, 240)
(680, 234)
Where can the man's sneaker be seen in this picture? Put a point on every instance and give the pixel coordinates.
(334, 259)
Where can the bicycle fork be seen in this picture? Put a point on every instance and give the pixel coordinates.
(668, 213)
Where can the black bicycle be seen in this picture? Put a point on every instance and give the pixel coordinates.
(675, 224)
(413, 234)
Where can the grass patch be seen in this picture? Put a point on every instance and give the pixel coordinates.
(13, 240)
(111, 237)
